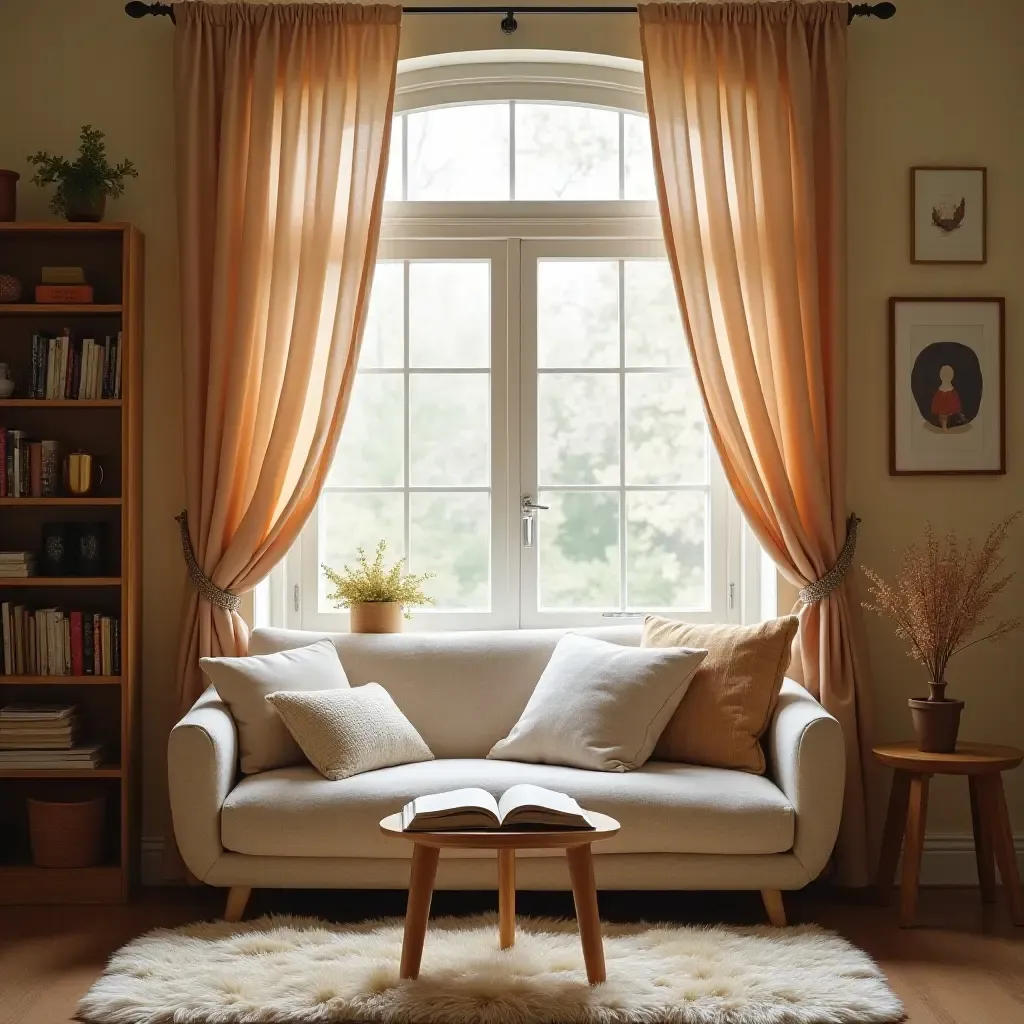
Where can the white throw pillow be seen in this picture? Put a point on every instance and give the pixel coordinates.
(244, 683)
(599, 705)
(350, 731)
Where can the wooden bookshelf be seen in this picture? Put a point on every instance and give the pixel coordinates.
(111, 430)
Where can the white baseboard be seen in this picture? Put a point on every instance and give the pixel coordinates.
(948, 859)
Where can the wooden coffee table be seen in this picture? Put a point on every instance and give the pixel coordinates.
(427, 848)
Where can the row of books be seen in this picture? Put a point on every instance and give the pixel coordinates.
(75, 368)
(54, 642)
(42, 737)
(28, 469)
(17, 564)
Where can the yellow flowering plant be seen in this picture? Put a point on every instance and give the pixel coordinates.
(371, 582)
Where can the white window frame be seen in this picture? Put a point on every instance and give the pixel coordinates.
(289, 596)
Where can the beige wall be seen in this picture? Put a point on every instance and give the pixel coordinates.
(939, 83)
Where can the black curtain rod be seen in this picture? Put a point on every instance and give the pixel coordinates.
(884, 11)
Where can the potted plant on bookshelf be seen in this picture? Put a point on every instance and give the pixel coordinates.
(82, 184)
(376, 597)
(938, 601)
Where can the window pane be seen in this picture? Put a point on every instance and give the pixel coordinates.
(450, 314)
(665, 539)
(372, 448)
(449, 429)
(637, 158)
(577, 313)
(577, 428)
(654, 329)
(459, 153)
(393, 184)
(578, 549)
(566, 152)
(666, 441)
(383, 343)
(450, 534)
(348, 520)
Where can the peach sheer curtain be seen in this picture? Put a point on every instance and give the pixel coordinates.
(747, 112)
(283, 125)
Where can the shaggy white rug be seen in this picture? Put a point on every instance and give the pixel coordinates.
(304, 971)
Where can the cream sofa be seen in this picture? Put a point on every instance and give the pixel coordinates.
(683, 826)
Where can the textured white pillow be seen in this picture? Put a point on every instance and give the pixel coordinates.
(243, 684)
(599, 705)
(351, 731)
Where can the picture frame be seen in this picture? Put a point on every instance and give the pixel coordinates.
(948, 215)
(947, 386)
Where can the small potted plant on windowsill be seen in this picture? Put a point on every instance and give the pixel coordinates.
(84, 183)
(376, 597)
(938, 602)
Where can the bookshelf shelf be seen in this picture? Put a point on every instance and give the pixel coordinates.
(60, 680)
(58, 502)
(110, 255)
(59, 309)
(60, 581)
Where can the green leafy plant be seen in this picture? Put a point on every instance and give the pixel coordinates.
(89, 176)
(371, 582)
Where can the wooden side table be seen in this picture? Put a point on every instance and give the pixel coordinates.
(982, 763)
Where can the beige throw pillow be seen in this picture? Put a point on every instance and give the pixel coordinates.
(599, 705)
(731, 698)
(351, 731)
(243, 684)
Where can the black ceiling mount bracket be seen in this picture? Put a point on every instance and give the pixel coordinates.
(509, 23)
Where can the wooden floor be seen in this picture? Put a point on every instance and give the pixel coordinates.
(963, 966)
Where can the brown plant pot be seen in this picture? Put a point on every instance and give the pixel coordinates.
(85, 207)
(67, 833)
(375, 617)
(936, 723)
(8, 194)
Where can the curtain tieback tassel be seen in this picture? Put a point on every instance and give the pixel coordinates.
(820, 589)
(208, 590)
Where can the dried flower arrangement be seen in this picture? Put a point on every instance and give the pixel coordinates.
(370, 583)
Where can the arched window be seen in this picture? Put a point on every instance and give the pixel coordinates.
(524, 344)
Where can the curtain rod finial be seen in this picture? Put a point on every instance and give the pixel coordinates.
(138, 9)
(882, 11)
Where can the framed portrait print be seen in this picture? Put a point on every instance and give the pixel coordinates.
(946, 386)
(948, 214)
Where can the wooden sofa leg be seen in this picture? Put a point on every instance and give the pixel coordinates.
(774, 907)
(238, 897)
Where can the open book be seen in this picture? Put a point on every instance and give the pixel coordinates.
(521, 806)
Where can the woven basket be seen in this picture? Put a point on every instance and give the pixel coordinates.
(68, 833)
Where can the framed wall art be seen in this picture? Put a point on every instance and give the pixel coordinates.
(946, 381)
(948, 215)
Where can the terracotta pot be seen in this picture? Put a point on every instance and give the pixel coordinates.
(67, 833)
(8, 194)
(936, 721)
(82, 206)
(375, 617)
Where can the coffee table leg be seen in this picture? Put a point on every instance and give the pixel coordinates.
(584, 894)
(892, 837)
(913, 848)
(507, 897)
(982, 841)
(417, 911)
(1002, 842)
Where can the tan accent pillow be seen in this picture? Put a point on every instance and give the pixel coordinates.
(243, 684)
(599, 705)
(351, 731)
(732, 696)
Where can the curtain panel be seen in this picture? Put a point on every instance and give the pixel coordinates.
(283, 120)
(747, 112)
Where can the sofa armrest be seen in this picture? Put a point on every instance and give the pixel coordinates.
(807, 761)
(202, 762)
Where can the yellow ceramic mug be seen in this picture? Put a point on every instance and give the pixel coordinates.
(79, 468)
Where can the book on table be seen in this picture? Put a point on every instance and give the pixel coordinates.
(520, 807)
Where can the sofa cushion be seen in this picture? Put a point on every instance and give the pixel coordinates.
(663, 807)
(462, 691)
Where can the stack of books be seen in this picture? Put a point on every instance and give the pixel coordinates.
(42, 737)
(17, 564)
(75, 368)
(28, 469)
(55, 642)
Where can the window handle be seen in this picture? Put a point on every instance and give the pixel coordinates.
(528, 511)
